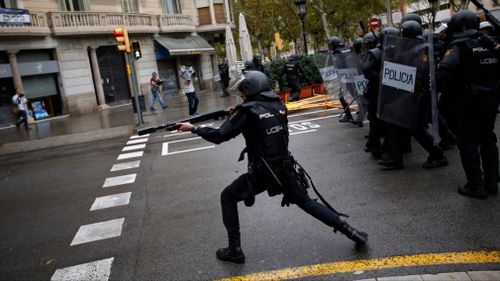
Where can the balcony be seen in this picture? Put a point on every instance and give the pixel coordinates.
(81, 23)
(39, 27)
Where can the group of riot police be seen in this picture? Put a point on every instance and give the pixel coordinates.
(399, 95)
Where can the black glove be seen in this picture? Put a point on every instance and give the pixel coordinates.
(285, 201)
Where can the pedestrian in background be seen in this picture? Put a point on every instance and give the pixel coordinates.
(187, 72)
(224, 77)
(155, 83)
(21, 102)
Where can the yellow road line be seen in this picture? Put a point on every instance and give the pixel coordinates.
(373, 264)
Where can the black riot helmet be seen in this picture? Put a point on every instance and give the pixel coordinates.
(412, 16)
(411, 29)
(254, 82)
(335, 43)
(257, 58)
(293, 57)
(463, 24)
(370, 40)
(249, 65)
(358, 45)
(388, 31)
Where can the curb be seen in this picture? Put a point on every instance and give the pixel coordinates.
(84, 137)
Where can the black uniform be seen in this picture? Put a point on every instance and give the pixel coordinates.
(471, 65)
(371, 69)
(262, 119)
(224, 77)
(293, 71)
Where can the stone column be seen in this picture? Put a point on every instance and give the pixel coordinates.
(228, 13)
(97, 80)
(212, 11)
(14, 68)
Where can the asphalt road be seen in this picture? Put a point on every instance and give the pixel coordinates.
(172, 225)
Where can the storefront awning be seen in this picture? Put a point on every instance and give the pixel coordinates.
(188, 45)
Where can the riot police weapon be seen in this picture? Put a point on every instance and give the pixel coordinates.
(492, 19)
(173, 125)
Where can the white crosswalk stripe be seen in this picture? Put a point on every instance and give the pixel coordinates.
(98, 231)
(119, 180)
(126, 165)
(130, 155)
(134, 147)
(92, 271)
(138, 137)
(111, 201)
(136, 141)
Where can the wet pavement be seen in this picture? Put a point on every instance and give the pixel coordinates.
(118, 121)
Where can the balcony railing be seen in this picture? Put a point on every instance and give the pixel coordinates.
(39, 26)
(72, 23)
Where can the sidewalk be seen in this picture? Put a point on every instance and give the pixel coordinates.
(117, 122)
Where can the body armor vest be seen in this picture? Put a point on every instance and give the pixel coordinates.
(482, 67)
(268, 135)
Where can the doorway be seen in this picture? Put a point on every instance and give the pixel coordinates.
(113, 75)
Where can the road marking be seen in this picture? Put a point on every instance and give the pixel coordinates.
(473, 257)
(303, 132)
(120, 180)
(96, 270)
(130, 155)
(134, 147)
(164, 150)
(176, 134)
(314, 119)
(183, 140)
(138, 137)
(312, 112)
(126, 165)
(111, 201)
(137, 141)
(98, 231)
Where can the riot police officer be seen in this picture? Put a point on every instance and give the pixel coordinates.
(358, 45)
(399, 137)
(293, 70)
(371, 66)
(472, 65)
(257, 61)
(336, 46)
(262, 119)
(224, 77)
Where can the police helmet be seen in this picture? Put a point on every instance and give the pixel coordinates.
(464, 23)
(249, 65)
(388, 31)
(257, 58)
(358, 45)
(254, 83)
(293, 57)
(411, 29)
(370, 38)
(412, 16)
(335, 43)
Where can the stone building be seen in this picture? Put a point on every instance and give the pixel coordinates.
(63, 53)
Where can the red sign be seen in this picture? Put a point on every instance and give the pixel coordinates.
(374, 22)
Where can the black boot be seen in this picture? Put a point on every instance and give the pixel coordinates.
(473, 190)
(357, 236)
(233, 253)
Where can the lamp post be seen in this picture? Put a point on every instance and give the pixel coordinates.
(301, 5)
(434, 5)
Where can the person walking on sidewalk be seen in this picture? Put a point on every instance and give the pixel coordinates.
(21, 102)
(187, 72)
(155, 92)
(224, 77)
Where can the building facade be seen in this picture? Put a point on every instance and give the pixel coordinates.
(64, 55)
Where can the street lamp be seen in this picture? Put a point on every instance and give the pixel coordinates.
(434, 5)
(301, 5)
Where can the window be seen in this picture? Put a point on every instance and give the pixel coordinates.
(201, 3)
(74, 5)
(129, 6)
(171, 7)
(8, 4)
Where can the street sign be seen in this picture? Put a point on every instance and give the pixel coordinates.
(374, 23)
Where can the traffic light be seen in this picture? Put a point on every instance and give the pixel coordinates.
(136, 49)
(121, 36)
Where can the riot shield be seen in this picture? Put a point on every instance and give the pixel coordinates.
(324, 62)
(352, 81)
(403, 81)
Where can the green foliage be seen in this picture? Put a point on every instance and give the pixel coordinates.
(311, 71)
